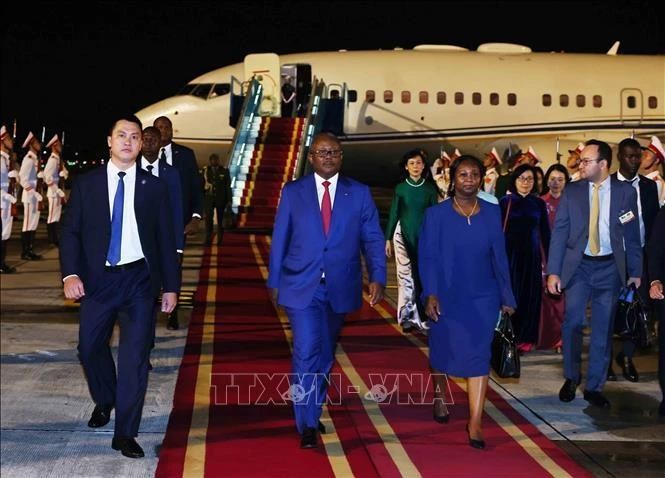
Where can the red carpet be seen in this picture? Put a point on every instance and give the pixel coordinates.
(246, 429)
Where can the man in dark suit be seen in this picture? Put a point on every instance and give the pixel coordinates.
(183, 159)
(217, 196)
(630, 156)
(117, 252)
(324, 221)
(595, 245)
(656, 259)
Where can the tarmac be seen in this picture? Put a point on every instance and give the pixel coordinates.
(45, 404)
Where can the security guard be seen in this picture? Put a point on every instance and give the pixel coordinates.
(30, 198)
(217, 196)
(53, 171)
(7, 199)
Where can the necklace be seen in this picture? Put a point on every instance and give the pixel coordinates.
(414, 185)
(473, 209)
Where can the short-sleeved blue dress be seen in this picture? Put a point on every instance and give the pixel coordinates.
(465, 266)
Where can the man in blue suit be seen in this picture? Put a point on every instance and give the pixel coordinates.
(117, 252)
(324, 222)
(184, 160)
(595, 245)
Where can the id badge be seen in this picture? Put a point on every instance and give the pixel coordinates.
(627, 217)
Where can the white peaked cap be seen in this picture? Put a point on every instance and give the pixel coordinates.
(532, 152)
(445, 155)
(3, 131)
(28, 139)
(52, 141)
(495, 154)
(578, 149)
(457, 153)
(657, 147)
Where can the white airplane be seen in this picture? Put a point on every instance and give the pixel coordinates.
(439, 95)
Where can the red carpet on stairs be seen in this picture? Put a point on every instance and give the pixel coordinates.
(230, 417)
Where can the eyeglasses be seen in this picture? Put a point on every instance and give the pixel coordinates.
(587, 162)
(327, 153)
(528, 179)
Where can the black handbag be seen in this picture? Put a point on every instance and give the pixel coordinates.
(630, 318)
(505, 359)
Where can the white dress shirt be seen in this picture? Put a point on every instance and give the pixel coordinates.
(320, 189)
(145, 163)
(130, 247)
(635, 182)
(604, 196)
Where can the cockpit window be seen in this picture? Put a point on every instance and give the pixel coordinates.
(200, 90)
(220, 89)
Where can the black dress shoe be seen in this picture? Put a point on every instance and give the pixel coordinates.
(7, 269)
(33, 256)
(661, 409)
(473, 443)
(611, 376)
(438, 417)
(308, 438)
(322, 428)
(597, 399)
(127, 447)
(567, 392)
(173, 324)
(100, 416)
(627, 368)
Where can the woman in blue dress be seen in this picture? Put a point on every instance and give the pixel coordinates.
(465, 280)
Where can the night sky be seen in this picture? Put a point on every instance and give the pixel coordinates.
(75, 68)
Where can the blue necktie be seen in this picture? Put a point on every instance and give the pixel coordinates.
(113, 255)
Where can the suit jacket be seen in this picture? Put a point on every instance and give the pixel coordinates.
(190, 180)
(86, 230)
(301, 253)
(171, 177)
(571, 230)
(648, 201)
(656, 249)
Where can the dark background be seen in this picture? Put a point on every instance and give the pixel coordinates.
(74, 68)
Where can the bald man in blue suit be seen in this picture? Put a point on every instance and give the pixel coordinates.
(324, 222)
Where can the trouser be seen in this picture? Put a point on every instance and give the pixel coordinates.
(7, 220)
(599, 282)
(659, 309)
(210, 207)
(124, 296)
(30, 215)
(315, 331)
(54, 209)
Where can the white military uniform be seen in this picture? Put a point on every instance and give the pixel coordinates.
(441, 179)
(6, 199)
(52, 175)
(30, 198)
(660, 184)
(575, 176)
(489, 182)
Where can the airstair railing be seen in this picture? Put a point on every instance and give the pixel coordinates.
(313, 120)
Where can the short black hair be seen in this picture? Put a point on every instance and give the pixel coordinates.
(517, 172)
(129, 118)
(412, 154)
(604, 150)
(629, 143)
(555, 167)
(151, 129)
(465, 158)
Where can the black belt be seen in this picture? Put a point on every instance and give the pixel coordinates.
(125, 267)
(599, 258)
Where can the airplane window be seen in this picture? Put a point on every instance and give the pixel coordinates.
(406, 97)
(459, 98)
(547, 100)
(352, 96)
(631, 101)
(475, 98)
(494, 98)
(441, 97)
(563, 100)
(581, 101)
(220, 89)
(653, 102)
(423, 97)
(388, 96)
(369, 96)
(597, 101)
(512, 99)
(201, 90)
(187, 89)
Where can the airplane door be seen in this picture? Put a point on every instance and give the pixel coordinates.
(303, 87)
(265, 67)
(631, 107)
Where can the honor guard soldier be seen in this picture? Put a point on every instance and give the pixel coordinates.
(530, 157)
(491, 161)
(30, 197)
(53, 171)
(217, 196)
(441, 174)
(653, 156)
(7, 199)
(573, 163)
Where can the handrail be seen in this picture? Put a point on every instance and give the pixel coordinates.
(247, 114)
(312, 125)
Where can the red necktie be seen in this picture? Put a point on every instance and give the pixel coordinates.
(326, 208)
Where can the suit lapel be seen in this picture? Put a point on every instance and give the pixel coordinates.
(340, 206)
(583, 201)
(103, 197)
(310, 201)
(139, 195)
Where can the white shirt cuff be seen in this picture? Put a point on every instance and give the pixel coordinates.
(179, 251)
(67, 277)
(196, 215)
